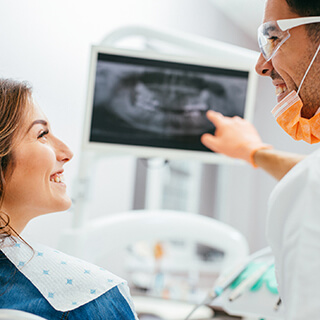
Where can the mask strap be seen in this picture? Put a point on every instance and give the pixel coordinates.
(314, 57)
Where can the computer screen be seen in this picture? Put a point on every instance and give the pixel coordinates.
(154, 105)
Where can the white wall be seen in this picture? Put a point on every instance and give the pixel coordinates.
(48, 43)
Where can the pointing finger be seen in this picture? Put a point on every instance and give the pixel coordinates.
(210, 141)
(215, 117)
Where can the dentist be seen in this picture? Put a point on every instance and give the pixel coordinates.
(289, 40)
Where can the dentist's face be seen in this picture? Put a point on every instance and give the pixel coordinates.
(291, 61)
(36, 185)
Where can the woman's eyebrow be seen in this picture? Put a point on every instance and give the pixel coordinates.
(40, 121)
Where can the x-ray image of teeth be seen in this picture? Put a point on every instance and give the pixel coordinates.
(160, 106)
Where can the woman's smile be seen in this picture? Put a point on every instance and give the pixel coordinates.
(38, 174)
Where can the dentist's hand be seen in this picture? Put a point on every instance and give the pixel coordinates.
(234, 137)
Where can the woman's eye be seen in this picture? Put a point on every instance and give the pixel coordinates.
(43, 134)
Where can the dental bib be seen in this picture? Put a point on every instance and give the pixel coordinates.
(288, 115)
(64, 281)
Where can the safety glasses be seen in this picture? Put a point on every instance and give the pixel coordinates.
(272, 34)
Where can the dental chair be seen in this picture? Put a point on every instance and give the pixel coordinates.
(8, 314)
(107, 235)
(114, 232)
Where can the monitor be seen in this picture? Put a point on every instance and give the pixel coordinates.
(154, 105)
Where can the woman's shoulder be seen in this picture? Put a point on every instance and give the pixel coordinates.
(19, 293)
(65, 282)
(112, 305)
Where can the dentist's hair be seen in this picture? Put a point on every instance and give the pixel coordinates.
(14, 98)
(305, 8)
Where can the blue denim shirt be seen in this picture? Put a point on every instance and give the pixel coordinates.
(17, 292)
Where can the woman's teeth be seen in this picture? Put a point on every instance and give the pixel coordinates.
(57, 178)
(280, 89)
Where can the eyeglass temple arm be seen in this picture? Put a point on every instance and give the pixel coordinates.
(286, 24)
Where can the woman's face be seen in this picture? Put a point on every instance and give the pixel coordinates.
(36, 184)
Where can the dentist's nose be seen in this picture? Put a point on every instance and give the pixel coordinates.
(263, 67)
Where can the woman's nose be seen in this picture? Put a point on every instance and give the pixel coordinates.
(63, 152)
(263, 67)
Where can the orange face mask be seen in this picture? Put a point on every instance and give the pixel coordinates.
(288, 115)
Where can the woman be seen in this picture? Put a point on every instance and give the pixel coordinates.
(35, 278)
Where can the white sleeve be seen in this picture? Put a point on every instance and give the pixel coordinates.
(299, 243)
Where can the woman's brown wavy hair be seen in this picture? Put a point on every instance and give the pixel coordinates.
(14, 98)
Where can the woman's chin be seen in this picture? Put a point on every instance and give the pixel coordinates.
(63, 205)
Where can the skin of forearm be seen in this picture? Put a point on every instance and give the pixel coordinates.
(276, 163)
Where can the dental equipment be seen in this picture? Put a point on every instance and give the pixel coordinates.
(250, 281)
(227, 278)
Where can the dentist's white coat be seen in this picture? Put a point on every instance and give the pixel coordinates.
(293, 231)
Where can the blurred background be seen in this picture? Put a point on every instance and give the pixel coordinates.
(48, 44)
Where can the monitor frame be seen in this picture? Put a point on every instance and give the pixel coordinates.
(160, 152)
